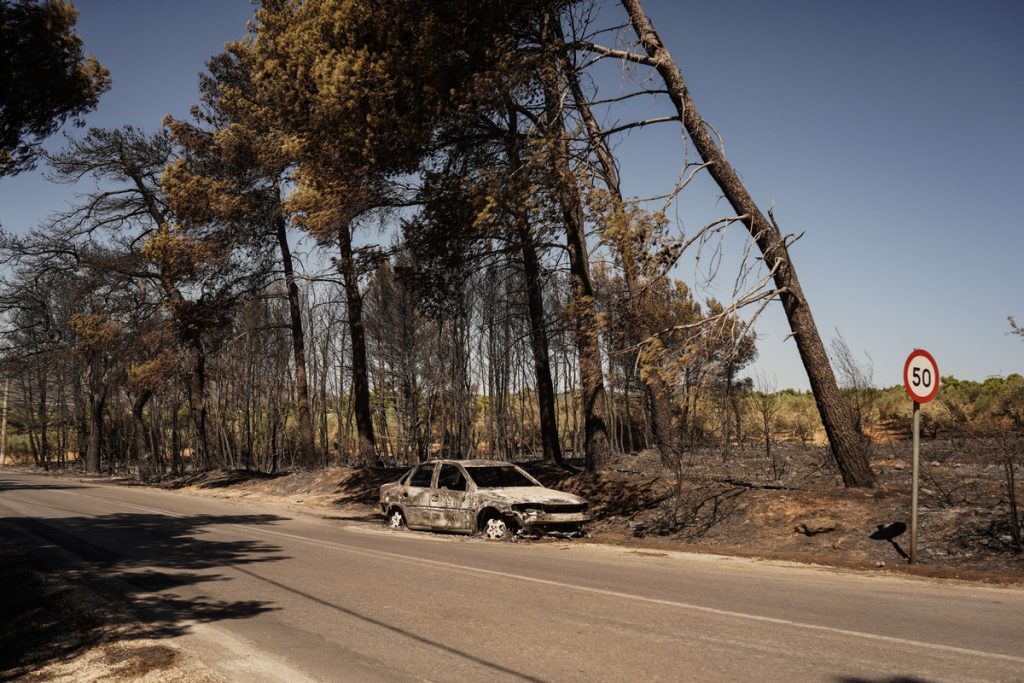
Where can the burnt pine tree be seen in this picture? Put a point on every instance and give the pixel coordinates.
(489, 135)
(198, 276)
(352, 89)
(230, 174)
(524, 235)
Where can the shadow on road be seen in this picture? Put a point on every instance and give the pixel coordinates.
(16, 485)
(54, 609)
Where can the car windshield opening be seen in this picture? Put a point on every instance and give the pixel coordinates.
(498, 476)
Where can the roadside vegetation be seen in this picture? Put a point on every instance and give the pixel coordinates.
(717, 417)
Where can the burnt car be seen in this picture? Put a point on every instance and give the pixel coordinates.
(497, 499)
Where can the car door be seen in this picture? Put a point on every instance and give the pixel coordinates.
(417, 496)
(450, 503)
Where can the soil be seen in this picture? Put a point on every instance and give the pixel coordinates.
(788, 506)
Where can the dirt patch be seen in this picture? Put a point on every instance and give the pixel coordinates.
(131, 662)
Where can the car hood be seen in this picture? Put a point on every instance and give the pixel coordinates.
(531, 494)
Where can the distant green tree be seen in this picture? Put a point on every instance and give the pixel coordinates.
(44, 77)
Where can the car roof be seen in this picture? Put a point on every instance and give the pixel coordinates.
(470, 462)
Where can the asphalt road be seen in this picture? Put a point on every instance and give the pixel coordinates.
(263, 594)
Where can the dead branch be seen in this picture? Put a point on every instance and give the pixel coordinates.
(639, 124)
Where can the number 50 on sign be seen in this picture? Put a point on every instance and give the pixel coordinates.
(921, 376)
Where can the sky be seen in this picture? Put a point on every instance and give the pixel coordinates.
(887, 133)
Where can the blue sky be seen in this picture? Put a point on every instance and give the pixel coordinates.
(889, 133)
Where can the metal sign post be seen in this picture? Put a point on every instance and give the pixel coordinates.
(921, 380)
(913, 487)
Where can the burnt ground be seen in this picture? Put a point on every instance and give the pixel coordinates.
(731, 503)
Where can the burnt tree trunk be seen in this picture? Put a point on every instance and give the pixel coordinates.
(44, 426)
(367, 448)
(97, 401)
(539, 345)
(81, 420)
(535, 303)
(307, 449)
(596, 444)
(846, 446)
(140, 452)
(197, 403)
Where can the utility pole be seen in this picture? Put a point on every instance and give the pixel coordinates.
(3, 426)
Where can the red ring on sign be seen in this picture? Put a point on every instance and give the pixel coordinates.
(917, 353)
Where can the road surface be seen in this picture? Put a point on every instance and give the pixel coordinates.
(263, 594)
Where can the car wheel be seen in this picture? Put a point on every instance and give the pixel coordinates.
(396, 520)
(497, 529)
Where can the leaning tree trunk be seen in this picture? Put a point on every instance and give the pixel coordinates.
(596, 445)
(846, 447)
(360, 375)
(307, 449)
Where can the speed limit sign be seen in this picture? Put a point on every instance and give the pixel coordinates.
(921, 376)
(921, 380)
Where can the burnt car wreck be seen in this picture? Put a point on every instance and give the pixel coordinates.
(497, 499)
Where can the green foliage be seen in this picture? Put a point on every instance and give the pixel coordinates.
(44, 77)
(799, 416)
(962, 406)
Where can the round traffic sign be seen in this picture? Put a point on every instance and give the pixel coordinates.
(921, 376)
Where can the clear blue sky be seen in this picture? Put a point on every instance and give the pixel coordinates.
(889, 132)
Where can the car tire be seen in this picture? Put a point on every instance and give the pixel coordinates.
(396, 519)
(497, 528)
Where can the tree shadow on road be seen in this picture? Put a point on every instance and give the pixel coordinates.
(129, 578)
(17, 485)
